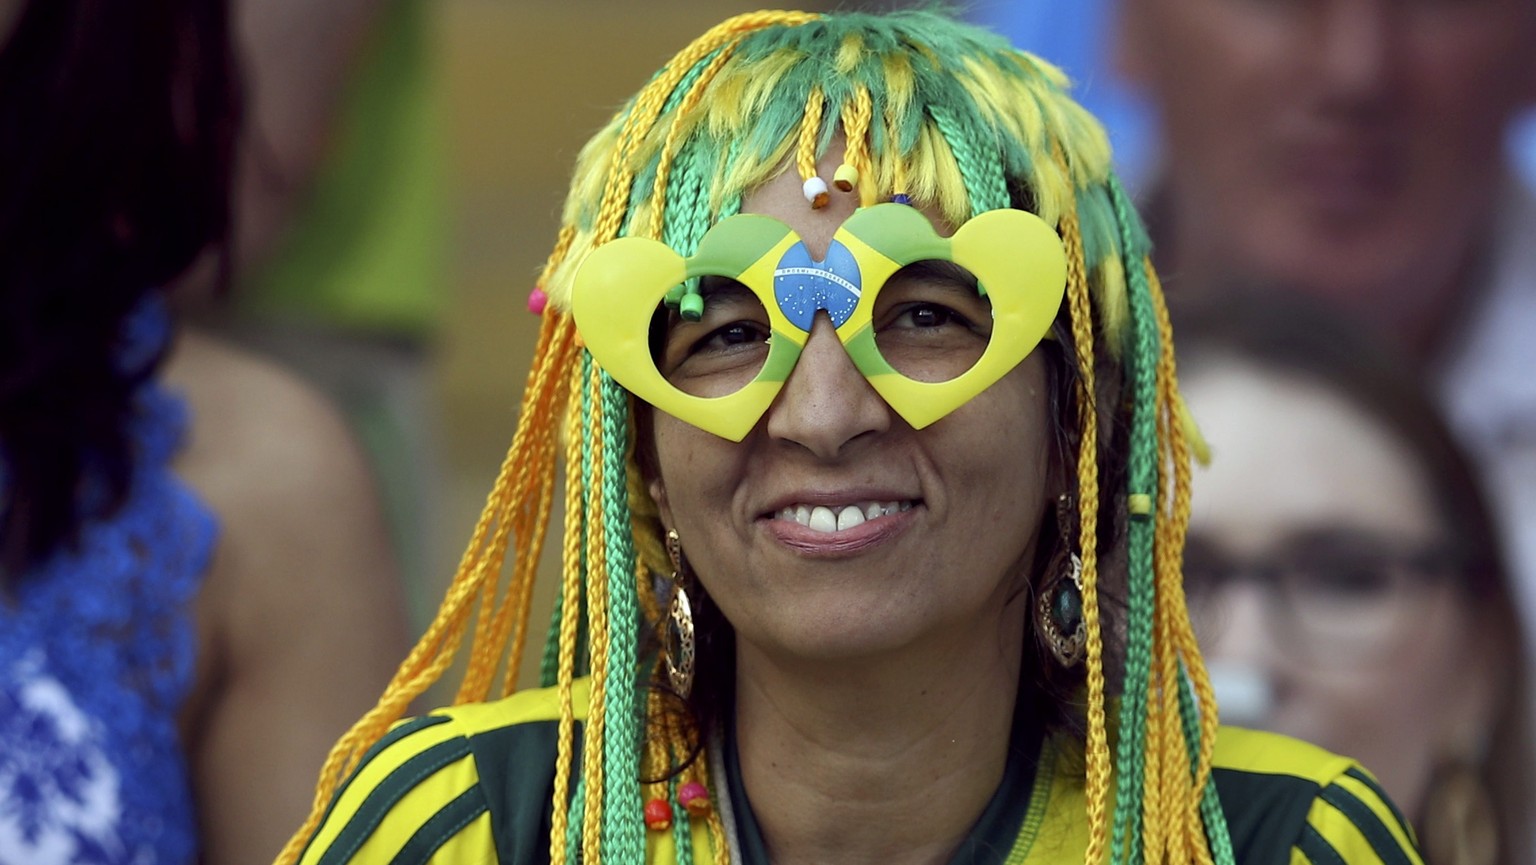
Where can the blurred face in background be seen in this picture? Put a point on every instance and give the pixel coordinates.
(1324, 587)
(1351, 148)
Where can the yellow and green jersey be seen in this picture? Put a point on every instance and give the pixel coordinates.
(473, 784)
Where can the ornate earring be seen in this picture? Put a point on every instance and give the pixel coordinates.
(677, 650)
(1059, 606)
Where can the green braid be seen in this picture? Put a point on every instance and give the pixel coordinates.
(1141, 360)
(645, 178)
(687, 215)
(623, 826)
(682, 830)
(1210, 806)
(584, 491)
(578, 814)
(549, 663)
(980, 167)
(1189, 711)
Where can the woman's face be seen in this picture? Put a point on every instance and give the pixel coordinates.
(1314, 583)
(949, 512)
(1351, 148)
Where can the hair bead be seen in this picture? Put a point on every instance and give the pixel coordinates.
(846, 178)
(816, 192)
(658, 815)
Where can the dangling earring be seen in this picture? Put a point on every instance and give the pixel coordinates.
(1059, 606)
(677, 651)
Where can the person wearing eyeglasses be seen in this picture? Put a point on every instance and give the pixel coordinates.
(1344, 573)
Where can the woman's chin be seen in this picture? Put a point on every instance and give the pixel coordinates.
(855, 634)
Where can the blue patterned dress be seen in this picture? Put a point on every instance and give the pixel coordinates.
(96, 657)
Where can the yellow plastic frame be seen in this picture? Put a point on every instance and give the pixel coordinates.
(1017, 259)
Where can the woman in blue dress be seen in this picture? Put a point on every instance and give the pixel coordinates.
(163, 497)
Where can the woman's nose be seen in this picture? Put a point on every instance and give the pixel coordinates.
(826, 404)
(1240, 653)
(1358, 46)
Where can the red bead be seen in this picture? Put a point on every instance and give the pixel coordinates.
(694, 798)
(537, 300)
(658, 814)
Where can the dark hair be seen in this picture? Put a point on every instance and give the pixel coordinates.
(1285, 331)
(117, 131)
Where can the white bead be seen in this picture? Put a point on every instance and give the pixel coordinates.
(816, 191)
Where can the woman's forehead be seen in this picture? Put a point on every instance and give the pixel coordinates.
(783, 198)
(1288, 449)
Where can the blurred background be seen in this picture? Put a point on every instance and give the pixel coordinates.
(402, 194)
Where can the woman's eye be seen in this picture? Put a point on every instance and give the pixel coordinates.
(1349, 581)
(931, 315)
(737, 333)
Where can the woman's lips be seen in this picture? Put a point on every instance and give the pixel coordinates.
(1345, 182)
(836, 518)
(828, 531)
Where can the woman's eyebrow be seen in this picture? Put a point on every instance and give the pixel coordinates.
(719, 293)
(937, 270)
(710, 285)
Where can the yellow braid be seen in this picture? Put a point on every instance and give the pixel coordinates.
(570, 601)
(681, 115)
(563, 241)
(810, 128)
(1181, 835)
(653, 98)
(650, 553)
(1166, 762)
(532, 526)
(1176, 526)
(856, 119)
(524, 574)
(435, 651)
(658, 750)
(1088, 516)
(593, 751)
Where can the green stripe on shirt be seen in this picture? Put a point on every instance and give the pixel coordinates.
(1369, 783)
(1316, 848)
(444, 825)
(1380, 838)
(385, 796)
(400, 731)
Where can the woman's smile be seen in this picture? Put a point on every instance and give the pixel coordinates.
(833, 526)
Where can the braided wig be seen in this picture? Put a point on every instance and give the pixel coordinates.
(954, 120)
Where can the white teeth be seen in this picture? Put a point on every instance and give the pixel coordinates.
(822, 518)
(849, 517)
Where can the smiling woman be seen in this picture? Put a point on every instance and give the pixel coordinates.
(874, 506)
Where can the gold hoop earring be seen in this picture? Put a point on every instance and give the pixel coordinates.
(1059, 606)
(678, 648)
